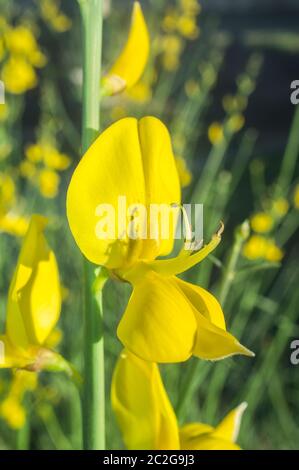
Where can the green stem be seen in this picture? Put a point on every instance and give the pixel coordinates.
(290, 157)
(94, 364)
(23, 436)
(229, 273)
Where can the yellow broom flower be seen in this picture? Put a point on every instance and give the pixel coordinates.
(146, 417)
(167, 319)
(130, 64)
(33, 306)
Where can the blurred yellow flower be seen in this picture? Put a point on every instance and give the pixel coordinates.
(146, 417)
(7, 190)
(48, 181)
(34, 153)
(262, 222)
(18, 75)
(13, 223)
(13, 412)
(296, 197)
(235, 123)
(27, 169)
(50, 11)
(185, 174)
(187, 26)
(280, 207)
(12, 409)
(131, 162)
(258, 247)
(130, 64)
(215, 133)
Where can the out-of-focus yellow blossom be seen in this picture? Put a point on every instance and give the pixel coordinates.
(258, 247)
(146, 417)
(235, 123)
(185, 174)
(233, 104)
(34, 153)
(13, 412)
(280, 207)
(48, 182)
(167, 319)
(7, 190)
(187, 26)
(13, 223)
(130, 64)
(23, 56)
(182, 19)
(192, 88)
(55, 160)
(42, 164)
(18, 75)
(27, 169)
(262, 222)
(171, 46)
(215, 133)
(296, 197)
(50, 11)
(21, 42)
(12, 409)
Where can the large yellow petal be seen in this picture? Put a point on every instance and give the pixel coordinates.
(162, 186)
(159, 324)
(143, 410)
(229, 427)
(34, 298)
(213, 342)
(110, 168)
(129, 66)
(204, 302)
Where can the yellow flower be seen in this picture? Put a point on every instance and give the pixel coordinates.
(130, 64)
(167, 319)
(273, 253)
(48, 182)
(14, 224)
(54, 159)
(258, 247)
(296, 197)
(34, 153)
(185, 174)
(280, 206)
(235, 123)
(57, 20)
(13, 412)
(215, 133)
(147, 419)
(140, 92)
(261, 222)
(11, 409)
(18, 75)
(187, 26)
(33, 306)
(7, 190)
(27, 169)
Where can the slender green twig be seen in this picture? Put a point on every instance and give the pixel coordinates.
(94, 373)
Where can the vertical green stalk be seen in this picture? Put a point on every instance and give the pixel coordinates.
(94, 374)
